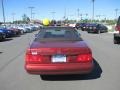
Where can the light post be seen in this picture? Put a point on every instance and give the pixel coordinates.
(93, 1)
(116, 13)
(78, 12)
(53, 15)
(3, 11)
(31, 9)
(13, 17)
(33, 15)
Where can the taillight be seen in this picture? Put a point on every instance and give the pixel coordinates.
(33, 57)
(84, 58)
(94, 27)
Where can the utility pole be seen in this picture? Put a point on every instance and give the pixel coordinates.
(116, 13)
(81, 16)
(33, 15)
(53, 15)
(31, 9)
(13, 16)
(65, 14)
(93, 1)
(3, 11)
(78, 12)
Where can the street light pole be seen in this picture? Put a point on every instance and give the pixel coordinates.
(93, 11)
(81, 16)
(33, 15)
(78, 11)
(13, 16)
(3, 11)
(116, 12)
(31, 9)
(53, 15)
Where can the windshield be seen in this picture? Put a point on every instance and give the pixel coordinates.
(58, 34)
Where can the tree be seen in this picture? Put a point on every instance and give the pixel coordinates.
(25, 19)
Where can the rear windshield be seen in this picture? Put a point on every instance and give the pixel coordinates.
(58, 35)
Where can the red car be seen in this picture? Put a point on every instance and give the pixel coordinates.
(58, 50)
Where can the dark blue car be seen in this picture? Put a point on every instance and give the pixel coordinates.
(8, 33)
(96, 28)
(82, 26)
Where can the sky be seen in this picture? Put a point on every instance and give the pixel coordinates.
(44, 8)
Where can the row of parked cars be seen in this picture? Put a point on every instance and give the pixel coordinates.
(92, 27)
(7, 31)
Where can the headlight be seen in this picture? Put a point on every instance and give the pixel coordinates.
(8, 31)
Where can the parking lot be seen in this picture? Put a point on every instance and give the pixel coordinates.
(105, 76)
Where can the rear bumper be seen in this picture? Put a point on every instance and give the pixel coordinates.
(117, 35)
(92, 30)
(55, 69)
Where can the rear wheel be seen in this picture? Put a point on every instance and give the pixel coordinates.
(88, 31)
(116, 39)
(4, 36)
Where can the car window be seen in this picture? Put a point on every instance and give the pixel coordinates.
(118, 22)
(58, 35)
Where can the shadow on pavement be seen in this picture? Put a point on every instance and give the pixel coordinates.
(96, 73)
(1, 52)
(7, 39)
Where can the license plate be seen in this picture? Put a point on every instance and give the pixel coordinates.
(58, 58)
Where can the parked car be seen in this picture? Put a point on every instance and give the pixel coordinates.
(82, 26)
(116, 36)
(15, 30)
(8, 33)
(2, 36)
(97, 28)
(58, 50)
(23, 29)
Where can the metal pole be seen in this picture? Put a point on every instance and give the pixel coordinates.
(33, 15)
(31, 9)
(13, 14)
(3, 11)
(65, 15)
(53, 15)
(78, 11)
(116, 12)
(81, 16)
(93, 11)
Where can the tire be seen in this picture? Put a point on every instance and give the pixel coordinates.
(115, 41)
(98, 32)
(88, 31)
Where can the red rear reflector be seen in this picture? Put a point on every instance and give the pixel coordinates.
(33, 58)
(84, 58)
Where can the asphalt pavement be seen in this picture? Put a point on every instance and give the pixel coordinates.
(104, 77)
